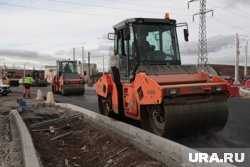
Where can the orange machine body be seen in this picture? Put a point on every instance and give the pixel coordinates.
(67, 81)
(61, 81)
(153, 89)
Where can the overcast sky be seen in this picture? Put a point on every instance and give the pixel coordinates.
(38, 32)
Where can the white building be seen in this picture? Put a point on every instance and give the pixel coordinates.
(83, 70)
(49, 72)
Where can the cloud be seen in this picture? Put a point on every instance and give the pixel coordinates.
(25, 54)
(215, 44)
(231, 3)
(18, 58)
(103, 47)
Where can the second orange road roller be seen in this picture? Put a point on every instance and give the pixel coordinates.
(67, 81)
(148, 83)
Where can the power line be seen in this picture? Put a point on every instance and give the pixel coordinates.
(109, 7)
(225, 23)
(235, 12)
(65, 11)
(59, 11)
(238, 13)
(141, 4)
(101, 6)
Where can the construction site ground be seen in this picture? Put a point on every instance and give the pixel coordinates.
(10, 146)
(235, 134)
(84, 144)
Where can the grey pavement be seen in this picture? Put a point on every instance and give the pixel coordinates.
(235, 134)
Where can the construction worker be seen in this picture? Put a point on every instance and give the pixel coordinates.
(27, 82)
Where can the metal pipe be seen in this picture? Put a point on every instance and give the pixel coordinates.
(103, 66)
(55, 120)
(236, 75)
(24, 71)
(74, 56)
(82, 61)
(246, 50)
(89, 66)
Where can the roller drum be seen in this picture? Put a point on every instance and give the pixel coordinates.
(177, 120)
(73, 89)
(195, 118)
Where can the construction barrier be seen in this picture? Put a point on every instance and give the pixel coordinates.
(234, 91)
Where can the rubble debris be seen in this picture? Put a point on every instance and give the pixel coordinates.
(60, 136)
(46, 130)
(46, 122)
(10, 149)
(88, 145)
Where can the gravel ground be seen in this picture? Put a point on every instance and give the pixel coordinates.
(86, 145)
(10, 146)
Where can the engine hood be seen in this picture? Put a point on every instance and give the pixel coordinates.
(174, 74)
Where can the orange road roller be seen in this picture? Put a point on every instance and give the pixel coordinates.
(148, 83)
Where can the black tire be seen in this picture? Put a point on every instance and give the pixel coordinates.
(153, 119)
(54, 89)
(83, 92)
(62, 91)
(105, 106)
(5, 93)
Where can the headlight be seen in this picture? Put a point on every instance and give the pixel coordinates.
(218, 88)
(173, 91)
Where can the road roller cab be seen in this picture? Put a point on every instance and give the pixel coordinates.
(67, 81)
(148, 83)
(39, 78)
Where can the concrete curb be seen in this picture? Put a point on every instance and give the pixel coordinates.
(157, 147)
(29, 153)
(244, 92)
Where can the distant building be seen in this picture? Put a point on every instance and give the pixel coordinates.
(19, 72)
(228, 70)
(49, 72)
(88, 77)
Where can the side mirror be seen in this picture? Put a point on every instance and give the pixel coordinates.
(111, 36)
(186, 35)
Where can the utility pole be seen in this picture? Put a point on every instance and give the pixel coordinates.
(246, 50)
(202, 44)
(82, 61)
(236, 74)
(4, 68)
(74, 52)
(24, 71)
(89, 66)
(103, 66)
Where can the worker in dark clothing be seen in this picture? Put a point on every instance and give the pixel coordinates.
(27, 82)
(144, 47)
(67, 69)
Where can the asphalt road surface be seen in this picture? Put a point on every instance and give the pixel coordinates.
(236, 134)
